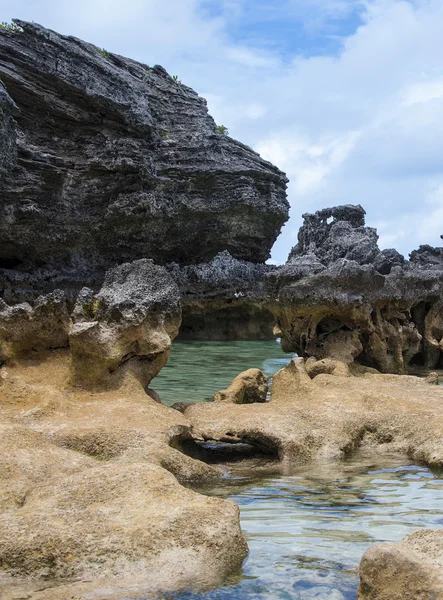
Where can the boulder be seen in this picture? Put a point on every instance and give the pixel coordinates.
(133, 320)
(248, 387)
(409, 570)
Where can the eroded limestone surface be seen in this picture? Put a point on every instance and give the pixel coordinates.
(89, 490)
(409, 570)
(108, 160)
(224, 299)
(323, 410)
(339, 296)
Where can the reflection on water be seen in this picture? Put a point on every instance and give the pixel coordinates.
(196, 370)
(307, 532)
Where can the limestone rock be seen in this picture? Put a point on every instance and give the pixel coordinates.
(409, 570)
(89, 491)
(135, 316)
(323, 410)
(109, 522)
(8, 150)
(24, 327)
(339, 297)
(337, 232)
(223, 299)
(387, 259)
(118, 161)
(248, 387)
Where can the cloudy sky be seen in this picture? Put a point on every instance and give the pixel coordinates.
(346, 96)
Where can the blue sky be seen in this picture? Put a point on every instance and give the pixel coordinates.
(346, 96)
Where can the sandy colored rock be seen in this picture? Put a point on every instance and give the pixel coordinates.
(88, 489)
(409, 570)
(40, 326)
(126, 522)
(248, 387)
(331, 416)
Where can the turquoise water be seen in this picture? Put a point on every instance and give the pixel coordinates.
(196, 370)
(307, 532)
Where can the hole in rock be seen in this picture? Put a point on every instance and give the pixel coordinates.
(330, 325)
(222, 451)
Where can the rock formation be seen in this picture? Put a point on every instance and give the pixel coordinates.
(107, 160)
(247, 388)
(323, 410)
(121, 204)
(89, 490)
(339, 296)
(223, 299)
(409, 570)
(128, 325)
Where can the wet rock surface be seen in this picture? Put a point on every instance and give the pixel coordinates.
(339, 296)
(108, 160)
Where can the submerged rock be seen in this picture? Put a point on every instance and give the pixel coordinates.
(117, 161)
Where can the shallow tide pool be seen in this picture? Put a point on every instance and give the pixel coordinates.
(307, 532)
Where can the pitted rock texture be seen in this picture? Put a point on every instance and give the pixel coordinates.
(44, 325)
(337, 232)
(128, 325)
(339, 296)
(412, 569)
(248, 387)
(7, 133)
(325, 410)
(118, 161)
(89, 492)
(223, 299)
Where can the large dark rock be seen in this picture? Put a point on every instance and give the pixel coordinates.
(118, 161)
(339, 296)
(337, 232)
(223, 299)
(7, 133)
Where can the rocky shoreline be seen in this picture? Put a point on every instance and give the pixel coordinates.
(128, 219)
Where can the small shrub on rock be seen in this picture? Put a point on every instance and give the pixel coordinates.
(12, 27)
(222, 129)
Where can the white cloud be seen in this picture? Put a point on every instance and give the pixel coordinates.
(423, 92)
